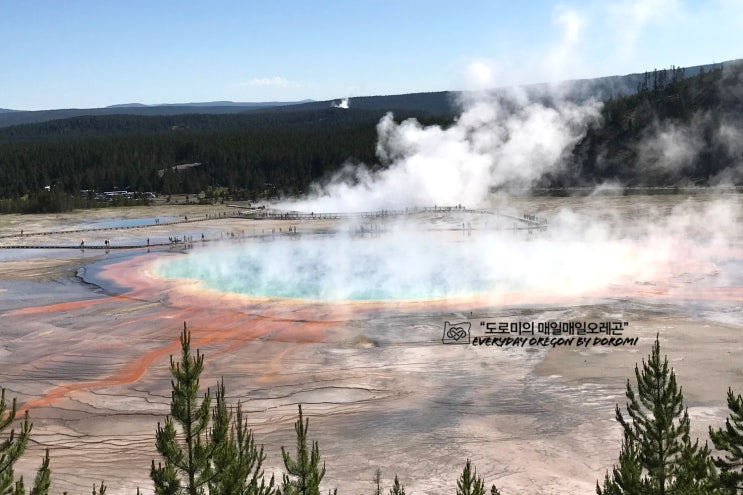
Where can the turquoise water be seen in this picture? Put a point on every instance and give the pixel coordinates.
(336, 268)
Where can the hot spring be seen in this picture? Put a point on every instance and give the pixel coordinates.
(406, 265)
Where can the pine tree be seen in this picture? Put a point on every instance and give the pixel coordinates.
(205, 448)
(236, 464)
(469, 483)
(13, 447)
(397, 488)
(43, 479)
(696, 474)
(377, 480)
(188, 456)
(626, 478)
(304, 473)
(658, 456)
(494, 490)
(730, 441)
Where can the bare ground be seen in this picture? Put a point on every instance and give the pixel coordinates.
(377, 384)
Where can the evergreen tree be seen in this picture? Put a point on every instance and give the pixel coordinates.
(494, 490)
(377, 480)
(397, 488)
(469, 483)
(205, 448)
(236, 464)
(187, 456)
(730, 441)
(304, 472)
(658, 456)
(43, 479)
(626, 478)
(13, 447)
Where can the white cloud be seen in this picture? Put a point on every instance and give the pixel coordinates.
(275, 81)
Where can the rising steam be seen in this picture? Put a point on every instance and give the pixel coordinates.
(343, 104)
(494, 144)
(498, 144)
(596, 251)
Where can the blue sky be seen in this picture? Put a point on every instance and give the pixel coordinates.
(92, 53)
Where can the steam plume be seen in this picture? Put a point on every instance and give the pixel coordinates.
(494, 144)
(343, 104)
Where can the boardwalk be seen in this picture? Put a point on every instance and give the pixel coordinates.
(515, 222)
(528, 220)
(154, 223)
(102, 245)
(297, 215)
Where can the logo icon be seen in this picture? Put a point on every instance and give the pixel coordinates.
(456, 333)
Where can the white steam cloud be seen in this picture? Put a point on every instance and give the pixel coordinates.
(495, 144)
(563, 58)
(632, 17)
(343, 104)
(670, 149)
(651, 245)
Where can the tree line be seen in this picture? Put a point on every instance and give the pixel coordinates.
(207, 447)
(281, 152)
(249, 156)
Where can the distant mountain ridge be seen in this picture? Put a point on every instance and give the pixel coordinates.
(434, 103)
(19, 117)
(243, 104)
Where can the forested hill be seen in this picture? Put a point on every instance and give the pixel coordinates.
(249, 156)
(116, 126)
(440, 103)
(672, 130)
(14, 117)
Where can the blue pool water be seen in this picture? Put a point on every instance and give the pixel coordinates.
(334, 268)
